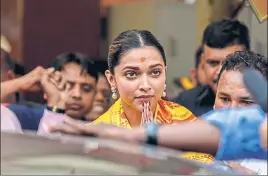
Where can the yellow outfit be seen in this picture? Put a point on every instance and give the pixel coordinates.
(166, 113)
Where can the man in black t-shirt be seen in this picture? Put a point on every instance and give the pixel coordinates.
(220, 39)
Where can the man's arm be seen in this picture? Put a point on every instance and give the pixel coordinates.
(198, 136)
(28, 82)
(10, 87)
(263, 132)
(230, 134)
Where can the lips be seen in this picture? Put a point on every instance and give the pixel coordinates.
(144, 98)
(74, 106)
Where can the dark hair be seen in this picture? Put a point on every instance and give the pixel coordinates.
(241, 60)
(73, 57)
(129, 40)
(198, 55)
(226, 32)
(101, 65)
(19, 69)
(8, 62)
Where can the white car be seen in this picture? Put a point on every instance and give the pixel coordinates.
(28, 154)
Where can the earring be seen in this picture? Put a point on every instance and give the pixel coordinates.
(114, 95)
(164, 93)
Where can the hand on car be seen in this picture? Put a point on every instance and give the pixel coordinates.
(72, 126)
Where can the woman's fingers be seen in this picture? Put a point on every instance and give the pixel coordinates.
(147, 112)
(143, 114)
(150, 113)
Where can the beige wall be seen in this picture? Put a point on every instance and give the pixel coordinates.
(173, 23)
(258, 31)
(123, 17)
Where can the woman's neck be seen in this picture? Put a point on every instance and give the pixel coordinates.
(133, 116)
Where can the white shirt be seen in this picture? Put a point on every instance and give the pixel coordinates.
(9, 121)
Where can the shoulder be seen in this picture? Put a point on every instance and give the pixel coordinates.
(194, 92)
(25, 109)
(111, 115)
(104, 118)
(9, 121)
(189, 97)
(177, 111)
(29, 118)
(30, 104)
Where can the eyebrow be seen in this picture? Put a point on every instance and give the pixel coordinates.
(243, 98)
(131, 67)
(223, 94)
(75, 82)
(213, 59)
(155, 65)
(137, 68)
(246, 98)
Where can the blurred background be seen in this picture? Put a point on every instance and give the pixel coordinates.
(35, 31)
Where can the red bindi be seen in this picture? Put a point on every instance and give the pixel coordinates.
(142, 59)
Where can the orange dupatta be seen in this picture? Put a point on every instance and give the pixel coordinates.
(166, 113)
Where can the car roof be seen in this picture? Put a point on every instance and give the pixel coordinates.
(29, 153)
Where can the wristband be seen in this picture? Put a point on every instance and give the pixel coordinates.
(151, 133)
(55, 109)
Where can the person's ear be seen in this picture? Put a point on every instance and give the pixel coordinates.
(201, 64)
(193, 75)
(111, 79)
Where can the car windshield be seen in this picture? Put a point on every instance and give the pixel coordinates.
(25, 154)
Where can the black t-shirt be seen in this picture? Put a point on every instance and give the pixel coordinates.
(198, 100)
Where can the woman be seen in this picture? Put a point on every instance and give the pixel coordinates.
(137, 76)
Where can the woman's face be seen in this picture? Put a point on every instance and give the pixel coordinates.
(140, 77)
